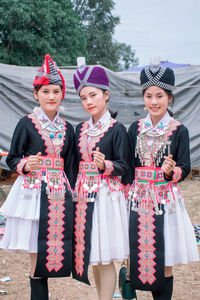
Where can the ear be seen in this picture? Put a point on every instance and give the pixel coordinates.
(170, 99)
(35, 94)
(107, 95)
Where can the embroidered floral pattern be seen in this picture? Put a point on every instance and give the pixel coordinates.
(33, 179)
(21, 165)
(86, 150)
(53, 144)
(177, 174)
(79, 235)
(146, 247)
(55, 236)
(108, 167)
(149, 190)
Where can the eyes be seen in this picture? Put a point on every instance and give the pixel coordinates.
(55, 92)
(84, 98)
(160, 96)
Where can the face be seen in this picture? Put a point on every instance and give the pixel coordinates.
(94, 101)
(156, 102)
(49, 97)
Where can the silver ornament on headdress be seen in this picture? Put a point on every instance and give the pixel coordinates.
(154, 64)
(81, 63)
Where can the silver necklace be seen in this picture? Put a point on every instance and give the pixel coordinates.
(97, 131)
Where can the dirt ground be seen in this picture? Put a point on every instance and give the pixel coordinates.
(17, 265)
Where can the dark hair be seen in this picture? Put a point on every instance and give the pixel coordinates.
(170, 95)
(112, 113)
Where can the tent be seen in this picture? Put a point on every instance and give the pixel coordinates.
(16, 100)
(163, 64)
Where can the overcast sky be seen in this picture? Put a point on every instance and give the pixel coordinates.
(166, 28)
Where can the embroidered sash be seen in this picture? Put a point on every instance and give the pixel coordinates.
(149, 193)
(54, 251)
(89, 182)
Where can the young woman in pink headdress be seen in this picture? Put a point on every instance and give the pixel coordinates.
(160, 231)
(100, 211)
(39, 208)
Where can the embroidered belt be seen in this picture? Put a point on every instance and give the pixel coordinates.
(88, 167)
(90, 180)
(150, 190)
(51, 172)
(149, 174)
(51, 163)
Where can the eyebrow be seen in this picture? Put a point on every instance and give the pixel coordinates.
(148, 93)
(90, 93)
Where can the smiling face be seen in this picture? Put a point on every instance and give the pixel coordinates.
(156, 102)
(94, 101)
(49, 97)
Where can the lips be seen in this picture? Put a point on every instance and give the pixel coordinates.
(155, 108)
(91, 107)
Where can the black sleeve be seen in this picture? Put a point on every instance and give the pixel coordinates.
(132, 136)
(70, 159)
(18, 145)
(118, 165)
(181, 155)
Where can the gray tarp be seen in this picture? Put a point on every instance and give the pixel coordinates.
(16, 100)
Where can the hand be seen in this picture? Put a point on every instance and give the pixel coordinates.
(99, 159)
(168, 165)
(33, 162)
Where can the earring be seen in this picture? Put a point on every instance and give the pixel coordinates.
(145, 108)
(35, 109)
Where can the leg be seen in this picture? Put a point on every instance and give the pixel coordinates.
(108, 281)
(167, 293)
(96, 278)
(39, 286)
(33, 257)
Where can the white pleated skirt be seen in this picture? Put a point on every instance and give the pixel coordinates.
(109, 236)
(21, 210)
(179, 236)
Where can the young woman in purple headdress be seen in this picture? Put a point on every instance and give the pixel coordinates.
(39, 208)
(160, 231)
(100, 210)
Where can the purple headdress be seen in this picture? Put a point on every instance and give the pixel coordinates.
(94, 76)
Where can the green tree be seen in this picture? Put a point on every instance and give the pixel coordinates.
(99, 23)
(31, 28)
(127, 57)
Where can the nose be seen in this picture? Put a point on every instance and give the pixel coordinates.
(89, 100)
(51, 96)
(154, 100)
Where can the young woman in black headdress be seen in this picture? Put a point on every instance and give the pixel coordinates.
(160, 231)
(38, 208)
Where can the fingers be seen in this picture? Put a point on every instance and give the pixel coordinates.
(169, 161)
(168, 165)
(34, 161)
(99, 159)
